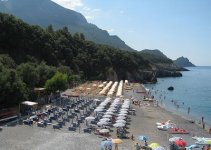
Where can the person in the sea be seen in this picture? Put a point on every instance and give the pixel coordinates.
(188, 110)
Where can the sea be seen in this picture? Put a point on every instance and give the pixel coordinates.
(191, 91)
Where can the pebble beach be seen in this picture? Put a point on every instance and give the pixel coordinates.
(24, 137)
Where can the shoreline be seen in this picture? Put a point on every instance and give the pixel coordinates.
(172, 107)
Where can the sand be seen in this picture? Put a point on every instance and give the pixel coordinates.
(23, 137)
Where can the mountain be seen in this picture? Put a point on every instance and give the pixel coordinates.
(183, 62)
(46, 12)
(155, 56)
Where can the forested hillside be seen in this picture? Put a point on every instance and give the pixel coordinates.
(30, 55)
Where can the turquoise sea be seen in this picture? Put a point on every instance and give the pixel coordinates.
(192, 90)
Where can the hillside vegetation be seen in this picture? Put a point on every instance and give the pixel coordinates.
(30, 55)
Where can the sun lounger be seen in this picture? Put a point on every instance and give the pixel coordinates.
(41, 124)
(71, 128)
(56, 126)
(87, 130)
(28, 122)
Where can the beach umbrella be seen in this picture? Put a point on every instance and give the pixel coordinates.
(90, 118)
(109, 113)
(154, 145)
(102, 123)
(97, 100)
(104, 131)
(121, 118)
(98, 110)
(123, 111)
(120, 121)
(159, 148)
(173, 139)
(122, 114)
(110, 110)
(142, 138)
(105, 119)
(107, 116)
(117, 141)
(180, 143)
(119, 125)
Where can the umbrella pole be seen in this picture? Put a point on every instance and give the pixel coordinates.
(116, 146)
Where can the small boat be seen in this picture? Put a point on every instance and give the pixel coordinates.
(178, 131)
(166, 127)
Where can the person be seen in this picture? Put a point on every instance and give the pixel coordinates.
(132, 137)
(188, 110)
(173, 146)
(208, 147)
(137, 146)
(202, 119)
(145, 143)
(203, 125)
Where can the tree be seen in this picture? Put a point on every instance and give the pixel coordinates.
(12, 90)
(82, 37)
(58, 82)
(29, 74)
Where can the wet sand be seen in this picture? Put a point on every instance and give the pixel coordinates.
(23, 137)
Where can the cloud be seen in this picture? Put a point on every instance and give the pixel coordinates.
(110, 30)
(89, 13)
(70, 4)
(89, 17)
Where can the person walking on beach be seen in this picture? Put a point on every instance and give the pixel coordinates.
(202, 120)
(137, 146)
(145, 143)
(188, 110)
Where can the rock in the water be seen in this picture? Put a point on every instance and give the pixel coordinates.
(171, 88)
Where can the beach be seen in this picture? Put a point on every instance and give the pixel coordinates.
(23, 137)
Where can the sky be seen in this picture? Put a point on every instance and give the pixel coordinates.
(176, 27)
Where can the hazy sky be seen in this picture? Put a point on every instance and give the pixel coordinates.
(176, 27)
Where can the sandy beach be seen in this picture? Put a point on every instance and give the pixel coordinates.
(24, 137)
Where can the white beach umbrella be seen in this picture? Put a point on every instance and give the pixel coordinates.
(122, 114)
(123, 111)
(97, 100)
(105, 119)
(121, 118)
(119, 125)
(110, 110)
(120, 121)
(109, 113)
(102, 123)
(90, 118)
(98, 110)
(107, 116)
(104, 131)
